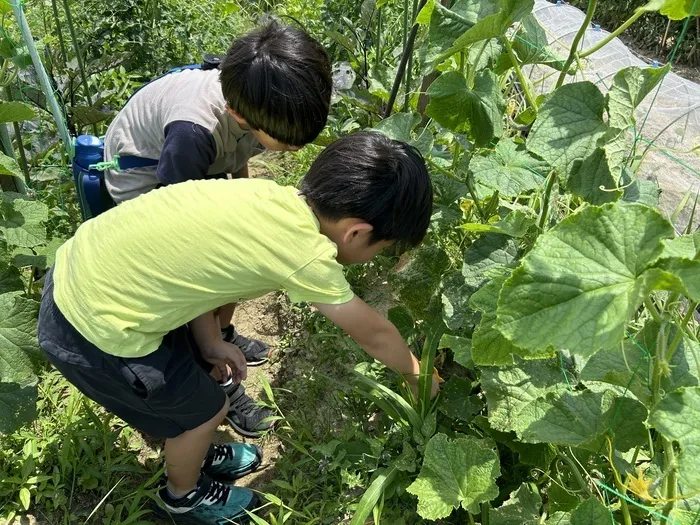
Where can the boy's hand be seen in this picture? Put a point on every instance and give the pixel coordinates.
(434, 388)
(223, 354)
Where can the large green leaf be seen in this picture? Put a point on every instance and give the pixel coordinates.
(488, 257)
(9, 166)
(491, 26)
(629, 87)
(508, 168)
(515, 393)
(534, 401)
(489, 347)
(534, 454)
(516, 224)
(455, 472)
(568, 125)
(521, 508)
(682, 247)
(643, 192)
(461, 347)
(416, 280)
(559, 518)
(591, 512)
(457, 402)
(628, 367)
(20, 354)
(22, 220)
(673, 9)
(460, 108)
(531, 44)
(592, 180)
(584, 279)
(581, 418)
(10, 280)
(447, 24)
(676, 416)
(456, 292)
(17, 403)
(400, 126)
(15, 112)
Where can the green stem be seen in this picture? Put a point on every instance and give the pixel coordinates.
(679, 333)
(631, 20)
(30, 284)
(659, 360)
(671, 481)
(471, 518)
(577, 40)
(521, 77)
(477, 204)
(409, 66)
(652, 310)
(574, 470)
(61, 43)
(79, 57)
(18, 138)
(545, 200)
(378, 54)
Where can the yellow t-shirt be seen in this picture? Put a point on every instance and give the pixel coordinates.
(156, 262)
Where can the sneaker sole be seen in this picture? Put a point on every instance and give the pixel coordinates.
(258, 362)
(253, 467)
(243, 519)
(247, 433)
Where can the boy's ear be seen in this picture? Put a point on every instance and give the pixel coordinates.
(357, 231)
(241, 121)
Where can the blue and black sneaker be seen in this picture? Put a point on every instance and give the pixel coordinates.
(211, 503)
(231, 461)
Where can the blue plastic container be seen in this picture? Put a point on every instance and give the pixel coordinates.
(92, 194)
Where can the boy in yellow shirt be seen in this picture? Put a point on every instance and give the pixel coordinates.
(127, 311)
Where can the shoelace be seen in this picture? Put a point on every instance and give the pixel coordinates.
(218, 493)
(222, 452)
(244, 404)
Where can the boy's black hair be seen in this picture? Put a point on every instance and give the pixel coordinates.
(371, 177)
(278, 79)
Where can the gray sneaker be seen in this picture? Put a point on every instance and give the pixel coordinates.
(245, 416)
(256, 352)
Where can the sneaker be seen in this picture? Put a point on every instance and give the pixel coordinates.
(211, 503)
(231, 461)
(245, 416)
(256, 352)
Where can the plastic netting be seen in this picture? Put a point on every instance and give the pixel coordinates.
(668, 120)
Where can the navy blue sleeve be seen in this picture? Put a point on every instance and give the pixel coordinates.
(188, 151)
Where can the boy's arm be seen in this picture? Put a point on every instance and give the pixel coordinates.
(207, 334)
(377, 336)
(188, 151)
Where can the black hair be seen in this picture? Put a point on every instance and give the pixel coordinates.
(278, 79)
(371, 177)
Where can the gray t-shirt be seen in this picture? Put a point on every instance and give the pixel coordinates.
(181, 120)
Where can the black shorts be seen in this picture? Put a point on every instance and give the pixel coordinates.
(162, 394)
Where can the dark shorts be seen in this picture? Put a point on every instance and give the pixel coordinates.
(162, 394)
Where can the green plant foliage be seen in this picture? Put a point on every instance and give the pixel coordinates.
(400, 126)
(676, 416)
(15, 112)
(590, 512)
(568, 125)
(22, 220)
(508, 168)
(455, 472)
(462, 108)
(521, 508)
(9, 166)
(599, 261)
(629, 87)
(416, 281)
(462, 348)
(673, 9)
